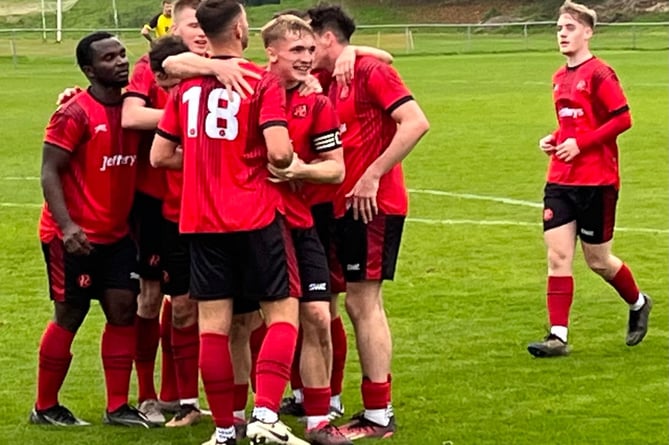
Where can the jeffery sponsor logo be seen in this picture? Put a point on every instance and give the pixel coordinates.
(571, 112)
(116, 160)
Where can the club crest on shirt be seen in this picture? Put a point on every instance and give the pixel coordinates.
(300, 111)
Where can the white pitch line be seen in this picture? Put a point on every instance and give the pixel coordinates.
(20, 178)
(518, 202)
(450, 222)
(20, 204)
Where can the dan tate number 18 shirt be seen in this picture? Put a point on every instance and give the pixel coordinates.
(99, 183)
(367, 129)
(591, 107)
(226, 186)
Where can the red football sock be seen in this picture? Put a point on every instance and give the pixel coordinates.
(339, 350)
(295, 377)
(168, 379)
(390, 389)
(274, 360)
(241, 396)
(624, 283)
(54, 361)
(218, 377)
(185, 349)
(118, 350)
(559, 296)
(317, 401)
(375, 395)
(148, 337)
(257, 337)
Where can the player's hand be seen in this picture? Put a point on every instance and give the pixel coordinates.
(343, 71)
(67, 94)
(292, 172)
(310, 86)
(567, 150)
(231, 74)
(547, 144)
(75, 240)
(145, 30)
(363, 198)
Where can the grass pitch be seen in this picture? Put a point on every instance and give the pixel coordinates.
(469, 293)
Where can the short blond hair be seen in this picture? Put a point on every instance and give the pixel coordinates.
(277, 28)
(582, 13)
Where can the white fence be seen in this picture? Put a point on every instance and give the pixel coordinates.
(397, 38)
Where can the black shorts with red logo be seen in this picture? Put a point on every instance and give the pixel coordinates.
(176, 260)
(326, 227)
(369, 251)
(108, 266)
(256, 265)
(312, 264)
(146, 220)
(592, 207)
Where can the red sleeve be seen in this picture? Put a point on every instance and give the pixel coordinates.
(142, 80)
(610, 97)
(169, 126)
(386, 87)
(67, 127)
(325, 132)
(272, 103)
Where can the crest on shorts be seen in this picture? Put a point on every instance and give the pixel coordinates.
(548, 214)
(300, 111)
(84, 281)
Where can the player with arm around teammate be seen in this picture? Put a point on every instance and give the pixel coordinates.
(381, 124)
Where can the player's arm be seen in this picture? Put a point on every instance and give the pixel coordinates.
(146, 29)
(411, 126)
(165, 153)
(54, 161)
(345, 63)
(137, 116)
(279, 147)
(611, 97)
(327, 168)
(227, 71)
(136, 113)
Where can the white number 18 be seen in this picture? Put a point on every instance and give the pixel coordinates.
(228, 113)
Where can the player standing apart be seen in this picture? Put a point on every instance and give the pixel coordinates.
(88, 180)
(583, 181)
(381, 123)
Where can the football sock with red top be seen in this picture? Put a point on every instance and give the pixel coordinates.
(54, 362)
(148, 337)
(118, 350)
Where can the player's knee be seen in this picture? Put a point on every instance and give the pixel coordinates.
(315, 316)
(70, 316)
(558, 259)
(598, 265)
(360, 308)
(184, 312)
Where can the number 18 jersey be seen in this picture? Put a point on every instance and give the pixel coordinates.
(225, 157)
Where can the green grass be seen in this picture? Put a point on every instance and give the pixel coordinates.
(468, 296)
